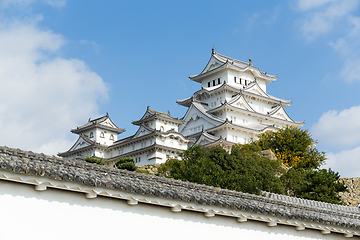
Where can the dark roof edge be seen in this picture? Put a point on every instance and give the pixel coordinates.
(29, 163)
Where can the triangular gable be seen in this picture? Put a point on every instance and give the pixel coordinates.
(240, 102)
(212, 64)
(280, 113)
(108, 123)
(147, 114)
(256, 89)
(205, 139)
(194, 113)
(142, 131)
(80, 143)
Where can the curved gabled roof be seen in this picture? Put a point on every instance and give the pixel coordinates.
(218, 62)
(153, 147)
(222, 87)
(207, 136)
(151, 132)
(230, 104)
(103, 122)
(280, 110)
(212, 140)
(268, 115)
(151, 114)
(82, 136)
(252, 127)
(254, 86)
(201, 108)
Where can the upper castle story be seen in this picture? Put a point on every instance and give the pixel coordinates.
(235, 73)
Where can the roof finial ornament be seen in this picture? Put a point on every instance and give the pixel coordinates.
(169, 112)
(213, 49)
(107, 114)
(250, 62)
(148, 107)
(89, 119)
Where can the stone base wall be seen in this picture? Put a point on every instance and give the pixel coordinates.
(151, 168)
(351, 197)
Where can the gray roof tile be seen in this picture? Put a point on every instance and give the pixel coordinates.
(18, 161)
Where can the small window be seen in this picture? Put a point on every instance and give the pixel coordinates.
(209, 84)
(246, 82)
(112, 137)
(102, 135)
(240, 80)
(218, 80)
(214, 83)
(161, 129)
(235, 79)
(91, 135)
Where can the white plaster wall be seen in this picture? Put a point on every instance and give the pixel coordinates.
(99, 153)
(106, 139)
(166, 125)
(262, 84)
(195, 126)
(243, 75)
(59, 215)
(222, 75)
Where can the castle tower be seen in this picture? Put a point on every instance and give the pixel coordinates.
(232, 105)
(156, 140)
(94, 138)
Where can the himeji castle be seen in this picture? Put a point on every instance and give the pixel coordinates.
(231, 107)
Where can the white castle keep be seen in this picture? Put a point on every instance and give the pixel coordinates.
(231, 107)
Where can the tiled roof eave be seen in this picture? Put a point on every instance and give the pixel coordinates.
(80, 130)
(224, 106)
(92, 146)
(21, 163)
(269, 98)
(153, 117)
(152, 147)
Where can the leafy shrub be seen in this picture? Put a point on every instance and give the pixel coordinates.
(94, 160)
(126, 163)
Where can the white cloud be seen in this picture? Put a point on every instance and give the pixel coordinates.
(311, 4)
(323, 15)
(346, 162)
(348, 47)
(90, 43)
(336, 17)
(25, 3)
(338, 129)
(56, 3)
(42, 97)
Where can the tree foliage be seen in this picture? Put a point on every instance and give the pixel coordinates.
(321, 185)
(242, 170)
(94, 160)
(245, 170)
(293, 146)
(126, 163)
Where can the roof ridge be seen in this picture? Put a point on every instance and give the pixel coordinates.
(26, 162)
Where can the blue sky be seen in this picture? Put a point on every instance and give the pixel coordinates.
(64, 61)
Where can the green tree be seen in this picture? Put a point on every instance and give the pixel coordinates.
(126, 163)
(94, 160)
(242, 170)
(321, 185)
(293, 146)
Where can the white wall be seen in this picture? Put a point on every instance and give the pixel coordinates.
(55, 214)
